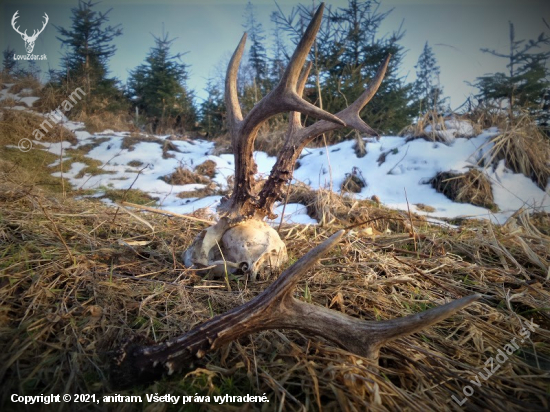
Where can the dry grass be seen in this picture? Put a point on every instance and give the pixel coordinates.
(524, 148)
(77, 278)
(118, 122)
(329, 208)
(208, 190)
(184, 176)
(354, 182)
(437, 123)
(27, 82)
(30, 168)
(207, 168)
(129, 142)
(471, 187)
(16, 125)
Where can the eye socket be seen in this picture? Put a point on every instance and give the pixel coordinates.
(244, 266)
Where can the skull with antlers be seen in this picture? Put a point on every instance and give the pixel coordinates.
(250, 203)
(29, 40)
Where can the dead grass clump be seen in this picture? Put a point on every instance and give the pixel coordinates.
(524, 148)
(16, 125)
(471, 187)
(330, 208)
(135, 163)
(78, 278)
(51, 98)
(208, 190)
(8, 102)
(98, 122)
(354, 182)
(207, 168)
(425, 208)
(437, 129)
(486, 117)
(26, 82)
(129, 142)
(130, 195)
(184, 176)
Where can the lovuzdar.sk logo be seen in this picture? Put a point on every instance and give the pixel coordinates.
(29, 40)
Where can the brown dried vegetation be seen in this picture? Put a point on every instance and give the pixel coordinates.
(471, 187)
(77, 278)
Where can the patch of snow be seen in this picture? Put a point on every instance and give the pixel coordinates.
(29, 100)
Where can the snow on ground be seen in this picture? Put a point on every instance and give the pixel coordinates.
(401, 177)
(28, 100)
(395, 169)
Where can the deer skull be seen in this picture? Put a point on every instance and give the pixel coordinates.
(254, 246)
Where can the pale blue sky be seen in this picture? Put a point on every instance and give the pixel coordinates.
(209, 30)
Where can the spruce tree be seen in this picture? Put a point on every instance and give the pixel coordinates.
(89, 43)
(213, 110)
(9, 64)
(158, 88)
(427, 89)
(528, 77)
(257, 55)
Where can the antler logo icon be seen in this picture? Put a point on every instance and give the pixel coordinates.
(29, 40)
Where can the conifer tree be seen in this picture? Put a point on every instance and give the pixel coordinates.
(9, 64)
(428, 91)
(158, 88)
(213, 110)
(527, 79)
(257, 55)
(89, 44)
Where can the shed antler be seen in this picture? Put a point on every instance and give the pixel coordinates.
(275, 308)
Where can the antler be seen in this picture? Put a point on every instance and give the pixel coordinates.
(15, 17)
(287, 96)
(283, 98)
(298, 137)
(275, 308)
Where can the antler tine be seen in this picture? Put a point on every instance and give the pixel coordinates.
(292, 72)
(298, 138)
(302, 80)
(285, 97)
(234, 113)
(294, 122)
(351, 114)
